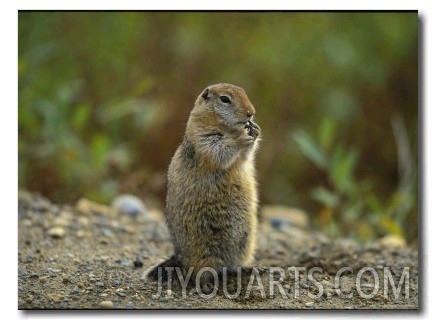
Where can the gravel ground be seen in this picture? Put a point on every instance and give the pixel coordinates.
(88, 256)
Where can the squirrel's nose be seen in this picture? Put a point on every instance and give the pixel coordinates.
(250, 111)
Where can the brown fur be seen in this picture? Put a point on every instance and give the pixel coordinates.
(211, 204)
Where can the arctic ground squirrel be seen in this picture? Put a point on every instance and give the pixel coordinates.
(211, 202)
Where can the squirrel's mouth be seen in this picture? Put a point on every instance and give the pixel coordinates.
(247, 122)
(252, 129)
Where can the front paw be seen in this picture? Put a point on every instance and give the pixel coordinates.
(252, 129)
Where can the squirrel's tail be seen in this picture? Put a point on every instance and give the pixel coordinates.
(159, 272)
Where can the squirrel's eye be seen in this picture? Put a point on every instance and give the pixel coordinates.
(225, 99)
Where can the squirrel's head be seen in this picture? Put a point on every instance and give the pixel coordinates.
(223, 105)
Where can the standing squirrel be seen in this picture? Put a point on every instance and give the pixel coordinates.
(211, 202)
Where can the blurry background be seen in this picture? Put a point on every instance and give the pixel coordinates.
(104, 98)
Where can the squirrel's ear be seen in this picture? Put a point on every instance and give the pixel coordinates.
(204, 95)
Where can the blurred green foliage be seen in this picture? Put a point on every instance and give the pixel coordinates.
(350, 207)
(104, 98)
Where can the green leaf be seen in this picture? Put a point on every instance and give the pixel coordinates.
(353, 211)
(342, 169)
(326, 133)
(399, 205)
(310, 149)
(391, 226)
(99, 147)
(374, 204)
(143, 86)
(81, 115)
(325, 197)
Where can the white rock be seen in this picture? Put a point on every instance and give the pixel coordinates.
(392, 241)
(285, 216)
(107, 304)
(309, 304)
(56, 232)
(128, 205)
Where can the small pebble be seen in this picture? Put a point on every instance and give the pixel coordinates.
(288, 288)
(74, 291)
(22, 273)
(303, 285)
(123, 262)
(138, 263)
(120, 294)
(88, 207)
(309, 304)
(56, 232)
(107, 304)
(129, 205)
(43, 279)
(328, 293)
(281, 217)
(392, 241)
(117, 282)
(56, 297)
(26, 222)
(276, 223)
(61, 222)
(80, 234)
(107, 233)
